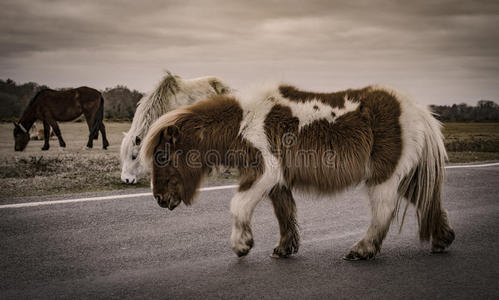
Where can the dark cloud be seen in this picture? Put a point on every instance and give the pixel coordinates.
(443, 50)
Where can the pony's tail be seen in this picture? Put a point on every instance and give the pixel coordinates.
(99, 117)
(423, 186)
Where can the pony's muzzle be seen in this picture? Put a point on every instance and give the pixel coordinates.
(128, 180)
(167, 201)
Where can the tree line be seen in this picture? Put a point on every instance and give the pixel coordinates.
(120, 103)
(484, 111)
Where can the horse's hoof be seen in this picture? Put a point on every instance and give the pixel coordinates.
(277, 254)
(284, 252)
(438, 250)
(243, 251)
(354, 256)
(443, 241)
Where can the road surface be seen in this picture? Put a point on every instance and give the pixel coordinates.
(129, 247)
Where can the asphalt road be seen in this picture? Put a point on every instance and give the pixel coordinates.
(132, 248)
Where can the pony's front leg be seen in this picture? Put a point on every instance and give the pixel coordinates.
(242, 205)
(46, 135)
(285, 211)
(57, 132)
(383, 201)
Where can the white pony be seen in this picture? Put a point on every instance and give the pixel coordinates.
(171, 93)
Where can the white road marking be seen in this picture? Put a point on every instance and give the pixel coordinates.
(29, 204)
(472, 166)
(211, 188)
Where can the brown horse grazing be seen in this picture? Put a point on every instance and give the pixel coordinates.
(51, 106)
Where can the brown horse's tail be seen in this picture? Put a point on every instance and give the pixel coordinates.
(99, 117)
(423, 186)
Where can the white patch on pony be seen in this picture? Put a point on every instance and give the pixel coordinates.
(307, 112)
(314, 110)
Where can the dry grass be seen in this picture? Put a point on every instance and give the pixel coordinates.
(35, 172)
(74, 169)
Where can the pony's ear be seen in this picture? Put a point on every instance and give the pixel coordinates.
(214, 85)
(171, 134)
(219, 87)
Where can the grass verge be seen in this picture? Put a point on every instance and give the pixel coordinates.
(33, 172)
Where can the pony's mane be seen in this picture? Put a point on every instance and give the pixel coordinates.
(153, 135)
(152, 106)
(32, 101)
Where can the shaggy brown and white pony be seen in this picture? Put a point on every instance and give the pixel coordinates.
(283, 139)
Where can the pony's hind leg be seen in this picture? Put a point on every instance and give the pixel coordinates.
(443, 235)
(285, 211)
(383, 201)
(105, 142)
(91, 135)
(46, 135)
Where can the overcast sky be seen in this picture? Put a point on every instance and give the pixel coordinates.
(437, 51)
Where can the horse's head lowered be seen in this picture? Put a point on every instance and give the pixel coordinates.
(21, 137)
(176, 170)
(170, 152)
(131, 168)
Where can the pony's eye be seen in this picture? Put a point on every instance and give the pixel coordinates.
(137, 140)
(134, 157)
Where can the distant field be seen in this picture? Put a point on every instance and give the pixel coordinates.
(467, 142)
(36, 172)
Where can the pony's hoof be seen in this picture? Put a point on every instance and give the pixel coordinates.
(354, 256)
(437, 250)
(243, 251)
(278, 253)
(443, 241)
(284, 252)
(87, 148)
